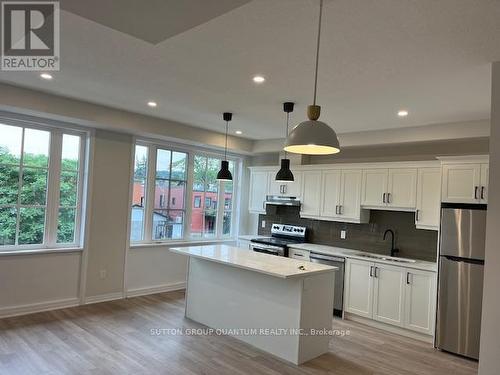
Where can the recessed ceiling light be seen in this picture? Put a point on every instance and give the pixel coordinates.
(403, 113)
(152, 104)
(46, 76)
(258, 79)
(238, 132)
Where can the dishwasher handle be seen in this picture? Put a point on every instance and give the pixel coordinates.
(327, 258)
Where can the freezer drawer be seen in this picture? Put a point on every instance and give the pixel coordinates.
(459, 306)
(463, 232)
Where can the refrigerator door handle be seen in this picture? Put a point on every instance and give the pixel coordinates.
(464, 260)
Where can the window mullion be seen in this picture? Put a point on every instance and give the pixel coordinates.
(189, 195)
(150, 194)
(53, 185)
(220, 209)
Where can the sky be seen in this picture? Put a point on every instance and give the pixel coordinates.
(36, 141)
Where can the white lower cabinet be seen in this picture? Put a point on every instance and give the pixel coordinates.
(358, 287)
(244, 244)
(420, 301)
(390, 294)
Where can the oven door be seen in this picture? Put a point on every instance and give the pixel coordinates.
(267, 249)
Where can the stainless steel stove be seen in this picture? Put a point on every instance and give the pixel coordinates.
(282, 235)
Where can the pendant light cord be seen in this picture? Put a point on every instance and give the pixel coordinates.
(287, 120)
(225, 147)
(317, 51)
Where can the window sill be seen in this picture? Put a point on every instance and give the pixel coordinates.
(40, 251)
(181, 243)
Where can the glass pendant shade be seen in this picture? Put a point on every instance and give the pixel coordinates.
(224, 173)
(312, 137)
(284, 174)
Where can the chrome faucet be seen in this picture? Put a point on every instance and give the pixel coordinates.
(393, 249)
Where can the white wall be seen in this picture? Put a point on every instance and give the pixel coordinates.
(154, 269)
(489, 357)
(38, 282)
(109, 209)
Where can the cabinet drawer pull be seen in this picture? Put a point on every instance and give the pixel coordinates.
(298, 255)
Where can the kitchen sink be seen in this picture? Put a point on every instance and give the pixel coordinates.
(388, 259)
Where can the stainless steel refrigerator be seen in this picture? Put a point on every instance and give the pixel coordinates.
(461, 266)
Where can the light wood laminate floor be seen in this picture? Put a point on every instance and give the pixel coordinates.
(115, 338)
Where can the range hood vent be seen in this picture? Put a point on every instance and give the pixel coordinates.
(280, 200)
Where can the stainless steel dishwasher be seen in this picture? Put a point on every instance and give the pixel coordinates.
(335, 261)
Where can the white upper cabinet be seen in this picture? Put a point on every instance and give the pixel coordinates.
(311, 192)
(388, 294)
(465, 180)
(374, 189)
(259, 183)
(461, 183)
(393, 188)
(485, 176)
(402, 188)
(350, 197)
(330, 193)
(420, 300)
(427, 213)
(286, 188)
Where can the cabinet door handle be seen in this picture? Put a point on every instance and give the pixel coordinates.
(371, 271)
(383, 197)
(376, 272)
(482, 192)
(408, 278)
(388, 197)
(475, 191)
(340, 210)
(417, 215)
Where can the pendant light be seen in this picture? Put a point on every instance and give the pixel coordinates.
(313, 137)
(285, 174)
(224, 173)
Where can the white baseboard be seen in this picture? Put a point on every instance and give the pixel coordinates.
(390, 328)
(104, 297)
(38, 307)
(156, 289)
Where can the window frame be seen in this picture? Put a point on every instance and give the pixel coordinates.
(153, 146)
(52, 204)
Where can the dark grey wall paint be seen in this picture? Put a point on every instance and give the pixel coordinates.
(412, 242)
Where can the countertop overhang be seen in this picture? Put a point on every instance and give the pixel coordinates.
(285, 268)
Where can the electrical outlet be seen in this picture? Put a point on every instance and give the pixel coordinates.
(343, 234)
(263, 224)
(102, 274)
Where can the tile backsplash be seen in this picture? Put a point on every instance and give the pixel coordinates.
(413, 243)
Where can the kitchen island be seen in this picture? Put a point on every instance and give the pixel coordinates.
(280, 305)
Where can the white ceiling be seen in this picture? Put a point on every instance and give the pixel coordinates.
(428, 56)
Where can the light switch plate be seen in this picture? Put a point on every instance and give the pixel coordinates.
(343, 234)
(263, 224)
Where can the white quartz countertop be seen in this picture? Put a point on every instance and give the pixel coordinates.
(272, 265)
(248, 237)
(350, 253)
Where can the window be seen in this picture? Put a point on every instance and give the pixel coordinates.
(139, 193)
(40, 187)
(206, 220)
(162, 174)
